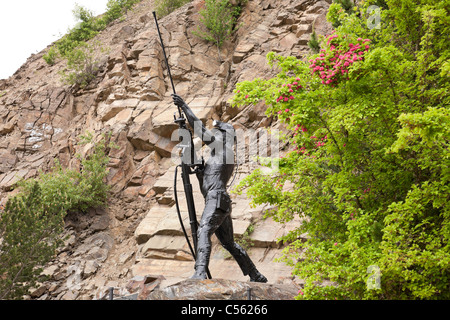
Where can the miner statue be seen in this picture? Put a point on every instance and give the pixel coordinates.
(213, 177)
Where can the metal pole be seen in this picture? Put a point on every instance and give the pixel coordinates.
(111, 293)
(164, 51)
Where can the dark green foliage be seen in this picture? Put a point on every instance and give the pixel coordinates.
(30, 229)
(313, 42)
(32, 221)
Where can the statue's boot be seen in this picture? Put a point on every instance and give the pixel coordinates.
(200, 273)
(245, 263)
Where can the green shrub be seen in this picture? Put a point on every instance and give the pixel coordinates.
(218, 20)
(82, 66)
(51, 56)
(164, 7)
(369, 124)
(313, 42)
(73, 45)
(71, 189)
(32, 221)
(87, 28)
(30, 229)
(117, 8)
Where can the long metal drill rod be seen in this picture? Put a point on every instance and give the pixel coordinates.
(165, 57)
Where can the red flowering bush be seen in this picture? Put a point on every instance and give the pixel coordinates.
(333, 63)
(368, 127)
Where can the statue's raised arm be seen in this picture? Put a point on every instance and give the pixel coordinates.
(206, 135)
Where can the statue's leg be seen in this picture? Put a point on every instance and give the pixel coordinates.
(225, 235)
(211, 219)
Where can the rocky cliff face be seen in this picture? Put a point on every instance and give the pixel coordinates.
(138, 234)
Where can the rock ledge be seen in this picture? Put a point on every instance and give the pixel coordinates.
(223, 289)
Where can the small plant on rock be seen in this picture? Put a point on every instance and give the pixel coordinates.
(165, 7)
(218, 18)
(82, 65)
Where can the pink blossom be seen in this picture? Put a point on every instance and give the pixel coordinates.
(287, 110)
(246, 96)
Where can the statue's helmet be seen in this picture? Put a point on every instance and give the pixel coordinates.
(223, 126)
(226, 129)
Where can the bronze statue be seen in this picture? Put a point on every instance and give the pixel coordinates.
(213, 178)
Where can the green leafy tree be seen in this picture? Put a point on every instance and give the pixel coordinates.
(369, 125)
(30, 229)
(32, 221)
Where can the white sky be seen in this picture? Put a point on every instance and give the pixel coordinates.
(28, 26)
